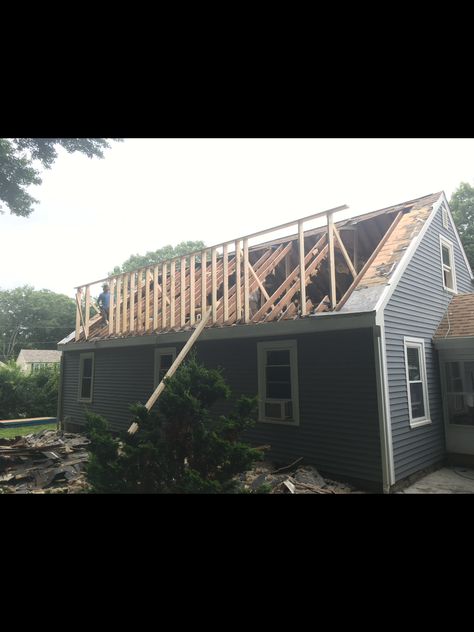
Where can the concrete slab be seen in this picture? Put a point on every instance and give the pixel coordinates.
(447, 480)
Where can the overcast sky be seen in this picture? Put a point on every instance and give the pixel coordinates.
(146, 193)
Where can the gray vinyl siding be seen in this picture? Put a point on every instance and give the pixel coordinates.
(121, 377)
(415, 309)
(339, 428)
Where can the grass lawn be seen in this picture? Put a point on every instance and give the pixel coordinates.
(10, 433)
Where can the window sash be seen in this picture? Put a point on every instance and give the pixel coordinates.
(86, 377)
(278, 382)
(418, 410)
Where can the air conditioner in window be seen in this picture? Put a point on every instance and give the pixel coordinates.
(278, 409)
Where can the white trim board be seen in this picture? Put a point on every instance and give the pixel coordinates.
(419, 344)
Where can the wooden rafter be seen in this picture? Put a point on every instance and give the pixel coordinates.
(369, 261)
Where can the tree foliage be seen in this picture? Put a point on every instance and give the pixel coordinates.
(462, 207)
(157, 256)
(183, 447)
(24, 395)
(20, 162)
(33, 319)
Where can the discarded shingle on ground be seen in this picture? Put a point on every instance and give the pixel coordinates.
(303, 479)
(50, 461)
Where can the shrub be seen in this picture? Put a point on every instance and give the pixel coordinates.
(180, 448)
(24, 395)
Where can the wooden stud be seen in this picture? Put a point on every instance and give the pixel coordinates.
(164, 292)
(203, 282)
(192, 289)
(132, 301)
(156, 288)
(88, 309)
(125, 312)
(214, 284)
(238, 290)
(182, 290)
(332, 266)
(246, 282)
(139, 300)
(147, 299)
(342, 248)
(78, 312)
(301, 255)
(356, 247)
(118, 286)
(172, 293)
(225, 280)
(111, 306)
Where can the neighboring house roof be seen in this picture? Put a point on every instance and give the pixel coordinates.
(458, 321)
(38, 355)
(383, 238)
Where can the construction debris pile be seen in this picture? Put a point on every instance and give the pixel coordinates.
(293, 479)
(47, 462)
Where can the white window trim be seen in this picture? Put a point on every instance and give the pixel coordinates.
(161, 351)
(448, 244)
(417, 343)
(82, 357)
(284, 345)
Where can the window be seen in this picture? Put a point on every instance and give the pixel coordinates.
(460, 392)
(278, 382)
(447, 264)
(417, 386)
(164, 358)
(86, 377)
(445, 219)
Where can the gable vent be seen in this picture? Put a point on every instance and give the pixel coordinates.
(445, 219)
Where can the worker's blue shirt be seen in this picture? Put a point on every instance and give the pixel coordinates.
(104, 299)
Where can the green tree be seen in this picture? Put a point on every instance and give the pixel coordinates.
(462, 206)
(183, 447)
(24, 395)
(157, 256)
(22, 158)
(33, 319)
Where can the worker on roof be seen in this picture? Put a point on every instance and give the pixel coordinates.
(104, 302)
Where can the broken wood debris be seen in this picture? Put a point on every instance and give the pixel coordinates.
(304, 479)
(50, 461)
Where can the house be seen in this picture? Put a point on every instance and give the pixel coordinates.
(33, 359)
(345, 364)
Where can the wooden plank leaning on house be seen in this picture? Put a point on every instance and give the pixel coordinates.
(172, 370)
